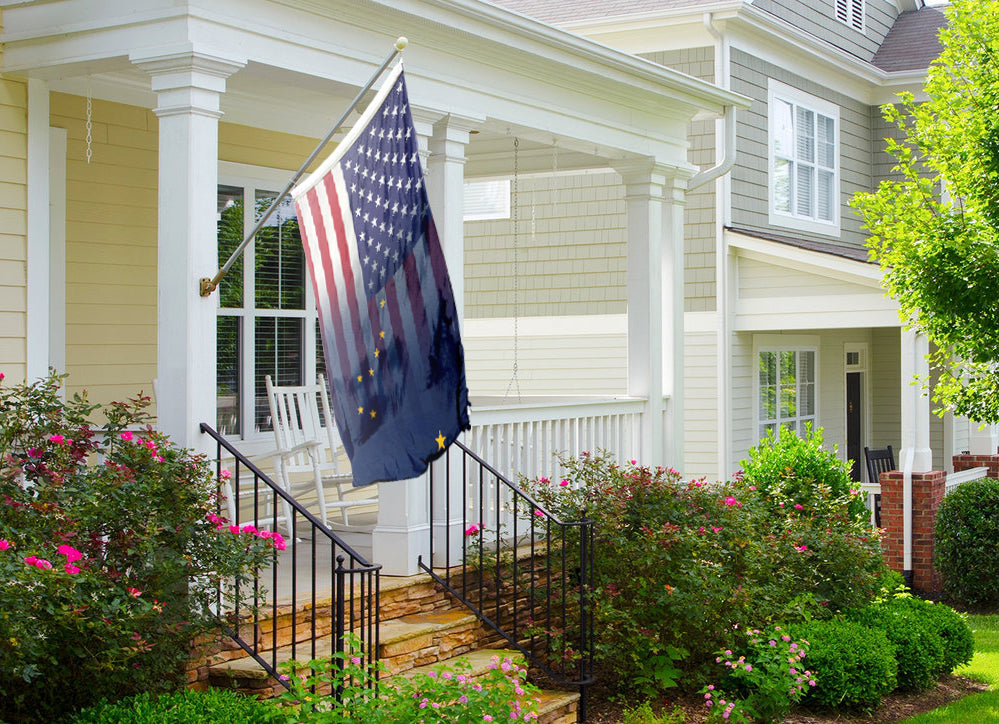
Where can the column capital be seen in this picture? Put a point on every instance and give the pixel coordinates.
(642, 176)
(186, 80)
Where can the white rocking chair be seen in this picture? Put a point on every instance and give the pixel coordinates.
(309, 447)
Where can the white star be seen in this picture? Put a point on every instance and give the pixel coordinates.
(395, 207)
(357, 211)
(365, 261)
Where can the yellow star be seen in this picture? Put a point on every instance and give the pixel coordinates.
(382, 334)
(377, 353)
(359, 378)
(360, 410)
(372, 414)
(371, 373)
(382, 304)
(440, 440)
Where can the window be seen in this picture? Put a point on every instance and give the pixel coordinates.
(486, 200)
(851, 12)
(804, 173)
(266, 316)
(786, 390)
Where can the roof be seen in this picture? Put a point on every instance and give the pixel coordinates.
(556, 12)
(857, 253)
(912, 42)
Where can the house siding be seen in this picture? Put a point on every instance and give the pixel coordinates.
(819, 19)
(700, 230)
(570, 241)
(13, 223)
(886, 388)
(700, 412)
(750, 187)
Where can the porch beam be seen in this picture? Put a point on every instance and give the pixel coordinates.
(188, 87)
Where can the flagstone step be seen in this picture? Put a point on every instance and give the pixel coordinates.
(404, 643)
(558, 707)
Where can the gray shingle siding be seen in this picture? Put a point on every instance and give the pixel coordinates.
(750, 182)
(818, 18)
(699, 213)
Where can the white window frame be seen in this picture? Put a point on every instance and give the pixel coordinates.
(852, 13)
(252, 179)
(778, 344)
(487, 199)
(781, 92)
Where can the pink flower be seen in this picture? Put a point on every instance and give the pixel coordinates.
(799, 506)
(43, 564)
(56, 439)
(486, 717)
(248, 529)
(544, 481)
(30, 561)
(279, 542)
(1, 376)
(134, 592)
(226, 474)
(158, 459)
(801, 548)
(234, 529)
(71, 569)
(633, 462)
(730, 501)
(34, 452)
(72, 555)
(126, 436)
(472, 529)
(4, 545)
(715, 530)
(355, 660)
(563, 483)
(539, 513)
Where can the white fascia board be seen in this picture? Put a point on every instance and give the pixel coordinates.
(815, 319)
(861, 273)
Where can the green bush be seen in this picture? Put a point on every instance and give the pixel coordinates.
(966, 539)
(112, 553)
(919, 648)
(794, 470)
(854, 665)
(683, 569)
(214, 706)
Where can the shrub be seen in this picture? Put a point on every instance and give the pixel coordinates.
(955, 634)
(855, 666)
(684, 568)
(111, 550)
(966, 539)
(214, 706)
(919, 649)
(794, 470)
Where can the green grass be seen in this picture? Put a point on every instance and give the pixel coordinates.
(984, 667)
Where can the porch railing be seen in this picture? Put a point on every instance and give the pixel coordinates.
(317, 576)
(523, 438)
(521, 570)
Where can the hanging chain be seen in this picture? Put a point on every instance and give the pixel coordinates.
(90, 122)
(514, 379)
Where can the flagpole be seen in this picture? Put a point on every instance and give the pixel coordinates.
(210, 285)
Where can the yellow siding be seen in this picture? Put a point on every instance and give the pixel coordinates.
(700, 413)
(13, 223)
(110, 247)
(241, 144)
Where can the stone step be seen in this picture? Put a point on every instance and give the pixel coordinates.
(558, 707)
(404, 643)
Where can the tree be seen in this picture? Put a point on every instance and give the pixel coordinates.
(935, 230)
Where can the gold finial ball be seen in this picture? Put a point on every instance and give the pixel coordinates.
(401, 42)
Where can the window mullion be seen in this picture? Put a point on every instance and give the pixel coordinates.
(248, 391)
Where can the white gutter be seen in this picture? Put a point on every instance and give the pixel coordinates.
(724, 165)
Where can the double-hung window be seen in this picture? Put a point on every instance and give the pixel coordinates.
(266, 316)
(787, 390)
(804, 160)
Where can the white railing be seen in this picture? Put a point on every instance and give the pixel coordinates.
(965, 476)
(522, 439)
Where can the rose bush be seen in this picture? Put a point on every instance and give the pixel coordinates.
(112, 553)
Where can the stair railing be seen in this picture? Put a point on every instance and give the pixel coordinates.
(523, 572)
(314, 553)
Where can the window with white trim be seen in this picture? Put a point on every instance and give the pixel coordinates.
(851, 12)
(266, 323)
(787, 390)
(485, 200)
(804, 160)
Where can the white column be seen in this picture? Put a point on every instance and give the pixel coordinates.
(654, 200)
(188, 86)
(402, 533)
(915, 455)
(38, 313)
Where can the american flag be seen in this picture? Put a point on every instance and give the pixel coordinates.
(389, 325)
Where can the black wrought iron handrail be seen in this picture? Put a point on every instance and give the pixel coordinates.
(523, 572)
(351, 580)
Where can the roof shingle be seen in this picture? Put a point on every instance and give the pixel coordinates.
(912, 42)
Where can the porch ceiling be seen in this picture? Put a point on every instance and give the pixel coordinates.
(304, 61)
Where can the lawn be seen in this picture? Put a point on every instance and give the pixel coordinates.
(984, 667)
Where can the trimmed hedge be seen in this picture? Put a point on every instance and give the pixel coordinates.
(854, 665)
(966, 539)
(214, 706)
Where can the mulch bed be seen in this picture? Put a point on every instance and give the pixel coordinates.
(895, 707)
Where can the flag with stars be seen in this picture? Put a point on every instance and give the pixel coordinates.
(390, 330)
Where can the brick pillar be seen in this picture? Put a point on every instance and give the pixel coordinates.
(965, 461)
(927, 491)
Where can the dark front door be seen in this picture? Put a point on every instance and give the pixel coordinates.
(854, 449)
